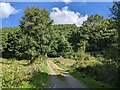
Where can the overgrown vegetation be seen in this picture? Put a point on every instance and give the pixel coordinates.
(88, 74)
(95, 45)
(17, 74)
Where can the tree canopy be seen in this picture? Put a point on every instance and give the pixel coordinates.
(37, 36)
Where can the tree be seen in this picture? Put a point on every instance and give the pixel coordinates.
(59, 45)
(93, 19)
(36, 23)
(33, 37)
(116, 16)
(101, 35)
(64, 47)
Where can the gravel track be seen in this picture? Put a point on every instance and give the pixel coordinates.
(56, 82)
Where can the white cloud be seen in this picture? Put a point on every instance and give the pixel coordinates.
(6, 10)
(66, 16)
(67, 1)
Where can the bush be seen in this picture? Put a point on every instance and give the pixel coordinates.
(105, 71)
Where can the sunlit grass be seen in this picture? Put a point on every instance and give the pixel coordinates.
(68, 62)
(0, 75)
(82, 77)
(17, 74)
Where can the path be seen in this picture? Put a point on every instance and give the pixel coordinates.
(56, 82)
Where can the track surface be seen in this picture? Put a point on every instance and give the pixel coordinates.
(67, 81)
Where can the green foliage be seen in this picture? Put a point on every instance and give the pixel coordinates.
(85, 77)
(37, 36)
(32, 39)
(9, 29)
(101, 35)
(17, 75)
(116, 16)
(100, 71)
(59, 46)
(93, 20)
(36, 24)
(19, 46)
(3, 37)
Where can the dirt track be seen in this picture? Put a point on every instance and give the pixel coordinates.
(67, 81)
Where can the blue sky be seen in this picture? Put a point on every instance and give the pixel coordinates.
(88, 8)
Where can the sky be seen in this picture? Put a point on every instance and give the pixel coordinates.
(60, 12)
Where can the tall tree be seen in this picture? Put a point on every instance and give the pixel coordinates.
(116, 15)
(93, 19)
(33, 38)
(36, 23)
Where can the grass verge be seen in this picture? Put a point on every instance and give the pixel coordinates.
(82, 77)
(16, 74)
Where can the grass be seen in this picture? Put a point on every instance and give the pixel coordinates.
(16, 74)
(67, 62)
(89, 81)
(0, 75)
(82, 77)
(66, 68)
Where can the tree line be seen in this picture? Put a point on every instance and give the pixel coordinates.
(36, 35)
